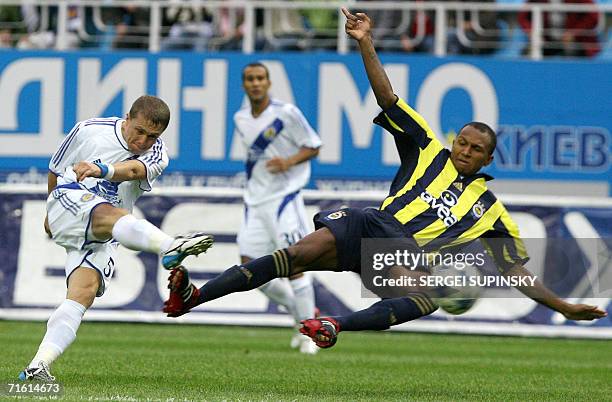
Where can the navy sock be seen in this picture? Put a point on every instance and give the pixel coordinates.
(386, 313)
(251, 275)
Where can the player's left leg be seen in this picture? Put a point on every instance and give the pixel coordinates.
(379, 316)
(140, 234)
(304, 299)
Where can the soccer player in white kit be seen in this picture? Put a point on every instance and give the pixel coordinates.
(279, 143)
(95, 177)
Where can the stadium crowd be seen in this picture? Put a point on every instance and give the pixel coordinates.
(188, 25)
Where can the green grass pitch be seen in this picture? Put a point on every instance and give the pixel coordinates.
(192, 362)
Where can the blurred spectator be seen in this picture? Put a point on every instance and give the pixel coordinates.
(30, 15)
(230, 29)
(133, 30)
(475, 33)
(75, 22)
(565, 33)
(12, 23)
(190, 28)
(6, 39)
(388, 28)
(41, 24)
(40, 34)
(284, 29)
(323, 27)
(37, 40)
(420, 34)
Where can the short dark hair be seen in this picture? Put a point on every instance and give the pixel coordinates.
(486, 129)
(153, 109)
(256, 64)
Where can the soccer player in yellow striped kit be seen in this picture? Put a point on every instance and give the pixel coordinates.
(437, 199)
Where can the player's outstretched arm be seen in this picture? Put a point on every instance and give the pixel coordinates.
(545, 296)
(359, 26)
(121, 171)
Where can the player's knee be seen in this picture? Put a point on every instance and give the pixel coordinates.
(301, 257)
(315, 251)
(296, 252)
(83, 285)
(84, 294)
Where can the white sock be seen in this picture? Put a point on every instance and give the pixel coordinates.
(61, 331)
(140, 235)
(279, 291)
(304, 298)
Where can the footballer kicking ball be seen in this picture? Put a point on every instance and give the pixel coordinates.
(460, 292)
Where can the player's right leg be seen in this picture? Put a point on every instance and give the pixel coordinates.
(83, 285)
(317, 251)
(256, 238)
(141, 235)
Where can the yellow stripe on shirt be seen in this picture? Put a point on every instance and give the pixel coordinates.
(393, 124)
(483, 224)
(426, 156)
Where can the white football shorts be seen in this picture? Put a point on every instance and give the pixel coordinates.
(272, 225)
(69, 211)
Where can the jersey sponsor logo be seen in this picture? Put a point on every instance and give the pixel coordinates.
(478, 209)
(442, 205)
(336, 215)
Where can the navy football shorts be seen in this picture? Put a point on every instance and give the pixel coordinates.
(350, 225)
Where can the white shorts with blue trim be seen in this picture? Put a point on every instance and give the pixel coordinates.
(273, 225)
(69, 211)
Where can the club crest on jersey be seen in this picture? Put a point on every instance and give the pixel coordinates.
(87, 197)
(478, 209)
(270, 133)
(442, 206)
(336, 215)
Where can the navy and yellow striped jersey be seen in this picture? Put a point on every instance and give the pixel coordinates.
(437, 206)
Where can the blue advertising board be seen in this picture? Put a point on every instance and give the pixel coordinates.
(31, 286)
(553, 118)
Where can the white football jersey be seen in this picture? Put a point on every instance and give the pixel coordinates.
(279, 131)
(100, 140)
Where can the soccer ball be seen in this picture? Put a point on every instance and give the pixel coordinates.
(463, 296)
